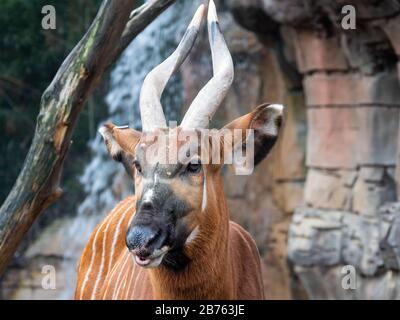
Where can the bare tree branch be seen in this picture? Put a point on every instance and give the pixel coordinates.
(137, 22)
(37, 185)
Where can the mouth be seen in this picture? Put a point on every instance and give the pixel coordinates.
(152, 261)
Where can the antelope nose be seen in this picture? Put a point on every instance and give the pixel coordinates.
(143, 240)
(147, 206)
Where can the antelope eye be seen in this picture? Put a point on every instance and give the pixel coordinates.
(138, 166)
(193, 167)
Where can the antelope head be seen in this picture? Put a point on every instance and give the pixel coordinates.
(180, 200)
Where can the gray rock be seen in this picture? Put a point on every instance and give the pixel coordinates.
(369, 194)
(377, 135)
(372, 174)
(325, 189)
(327, 283)
(330, 237)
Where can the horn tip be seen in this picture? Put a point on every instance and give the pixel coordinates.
(201, 8)
(212, 12)
(198, 17)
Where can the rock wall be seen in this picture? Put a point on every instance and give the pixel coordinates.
(350, 81)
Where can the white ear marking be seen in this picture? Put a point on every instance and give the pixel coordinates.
(113, 147)
(103, 130)
(277, 107)
(271, 127)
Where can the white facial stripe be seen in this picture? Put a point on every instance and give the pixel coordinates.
(159, 180)
(156, 178)
(161, 251)
(204, 200)
(192, 235)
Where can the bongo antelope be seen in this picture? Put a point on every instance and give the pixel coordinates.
(174, 239)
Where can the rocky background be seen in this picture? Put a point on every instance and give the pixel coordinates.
(326, 196)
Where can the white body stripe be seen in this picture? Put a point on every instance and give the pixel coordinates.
(103, 252)
(116, 234)
(86, 279)
(96, 284)
(119, 280)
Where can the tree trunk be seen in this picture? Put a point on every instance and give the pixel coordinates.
(37, 185)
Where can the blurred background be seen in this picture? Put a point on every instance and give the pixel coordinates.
(325, 198)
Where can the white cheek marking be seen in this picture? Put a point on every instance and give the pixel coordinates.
(204, 200)
(192, 235)
(161, 251)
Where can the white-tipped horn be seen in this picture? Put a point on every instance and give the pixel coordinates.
(213, 93)
(151, 111)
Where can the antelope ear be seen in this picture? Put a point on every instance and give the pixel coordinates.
(120, 141)
(266, 121)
